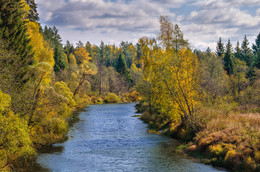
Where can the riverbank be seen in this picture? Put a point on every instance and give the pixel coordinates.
(53, 132)
(108, 138)
(226, 140)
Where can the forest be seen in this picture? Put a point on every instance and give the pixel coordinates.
(210, 100)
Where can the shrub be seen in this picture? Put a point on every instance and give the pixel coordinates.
(15, 144)
(111, 98)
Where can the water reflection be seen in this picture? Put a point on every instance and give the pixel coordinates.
(51, 149)
(108, 138)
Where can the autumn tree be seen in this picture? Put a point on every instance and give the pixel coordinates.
(171, 36)
(85, 67)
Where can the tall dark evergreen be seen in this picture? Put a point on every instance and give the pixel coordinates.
(247, 55)
(33, 14)
(52, 36)
(80, 45)
(138, 54)
(228, 59)
(256, 51)
(121, 66)
(13, 31)
(238, 51)
(220, 50)
(127, 55)
(69, 49)
(88, 47)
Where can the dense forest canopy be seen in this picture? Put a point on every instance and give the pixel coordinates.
(184, 92)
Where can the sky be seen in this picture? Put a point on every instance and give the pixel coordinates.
(113, 21)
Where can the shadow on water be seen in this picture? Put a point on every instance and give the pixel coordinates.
(51, 149)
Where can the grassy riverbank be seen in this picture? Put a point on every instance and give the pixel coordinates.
(230, 140)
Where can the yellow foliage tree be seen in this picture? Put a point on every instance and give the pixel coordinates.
(15, 142)
(173, 81)
(41, 48)
(62, 89)
(86, 68)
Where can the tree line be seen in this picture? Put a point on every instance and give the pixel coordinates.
(206, 97)
(43, 81)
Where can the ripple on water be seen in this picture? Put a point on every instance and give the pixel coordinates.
(108, 138)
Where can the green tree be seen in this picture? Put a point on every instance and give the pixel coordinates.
(228, 59)
(220, 50)
(256, 50)
(178, 40)
(238, 51)
(33, 14)
(121, 65)
(13, 31)
(69, 49)
(247, 55)
(52, 35)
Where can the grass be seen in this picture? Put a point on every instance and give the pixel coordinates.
(231, 141)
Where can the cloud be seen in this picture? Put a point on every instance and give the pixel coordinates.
(202, 21)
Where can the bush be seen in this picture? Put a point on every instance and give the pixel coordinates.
(15, 144)
(111, 98)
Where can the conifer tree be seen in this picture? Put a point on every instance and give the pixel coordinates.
(247, 55)
(228, 59)
(33, 14)
(13, 31)
(121, 65)
(52, 36)
(220, 50)
(238, 51)
(256, 51)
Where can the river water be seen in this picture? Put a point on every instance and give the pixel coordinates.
(108, 138)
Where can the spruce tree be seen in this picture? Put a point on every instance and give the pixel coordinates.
(220, 50)
(122, 67)
(238, 51)
(33, 14)
(256, 51)
(247, 55)
(228, 59)
(13, 31)
(52, 36)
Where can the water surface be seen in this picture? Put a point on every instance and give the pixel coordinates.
(108, 138)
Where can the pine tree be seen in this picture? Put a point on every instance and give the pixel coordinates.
(121, 65)
(238, 51)
(13, 31)
(69, 49)
(220, 50)
(228, 59)
(33, 14)
(256, 51)
(52, 36)
(122, 68)
(247, 55)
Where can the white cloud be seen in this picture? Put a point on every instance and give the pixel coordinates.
(128, 20)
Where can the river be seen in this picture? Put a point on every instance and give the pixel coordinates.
(108, 138)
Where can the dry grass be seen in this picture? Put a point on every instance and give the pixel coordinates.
(231, 140)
